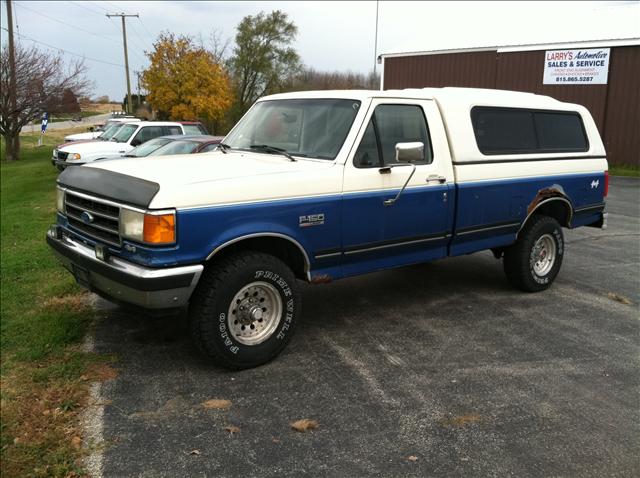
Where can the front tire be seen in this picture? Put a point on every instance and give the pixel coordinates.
(533, 262)
(244, 310)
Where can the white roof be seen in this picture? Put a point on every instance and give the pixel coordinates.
(448, 96)
(605, 43)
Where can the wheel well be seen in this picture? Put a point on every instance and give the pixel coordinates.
(285, 250)
(559, 209)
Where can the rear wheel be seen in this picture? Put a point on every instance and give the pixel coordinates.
(533, 262)
(244, 310)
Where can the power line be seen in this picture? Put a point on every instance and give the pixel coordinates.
(97, 4)
(147, 30)
(142, 41)
(75, 27)
(65, 51)
(80, 4)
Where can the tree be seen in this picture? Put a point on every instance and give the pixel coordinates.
(263, 61)
(184, 81)
(41, 80)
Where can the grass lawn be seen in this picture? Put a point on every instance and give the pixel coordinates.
(625, 170)
(44, 316)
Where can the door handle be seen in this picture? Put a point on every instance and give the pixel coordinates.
(436, 177)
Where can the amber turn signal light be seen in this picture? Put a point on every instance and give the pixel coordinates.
(159, 229)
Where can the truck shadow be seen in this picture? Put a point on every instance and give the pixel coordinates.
(376, 297)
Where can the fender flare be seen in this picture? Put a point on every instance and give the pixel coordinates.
(536, 206)
(307, 263)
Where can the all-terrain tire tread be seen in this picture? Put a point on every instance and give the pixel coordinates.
(202, 309)
(516, 257)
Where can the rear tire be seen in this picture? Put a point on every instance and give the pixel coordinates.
(533, 262)
(244, 310)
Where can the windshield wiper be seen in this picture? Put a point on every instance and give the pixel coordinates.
(272, 149)
(224, 147)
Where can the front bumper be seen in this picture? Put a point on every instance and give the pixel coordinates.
(124, 281)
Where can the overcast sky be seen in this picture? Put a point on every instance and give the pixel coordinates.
(332, 35)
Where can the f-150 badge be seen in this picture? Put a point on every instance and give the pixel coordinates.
(311, 220)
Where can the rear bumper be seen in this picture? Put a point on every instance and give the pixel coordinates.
(123, 281)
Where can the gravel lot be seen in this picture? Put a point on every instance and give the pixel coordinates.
(437, 369)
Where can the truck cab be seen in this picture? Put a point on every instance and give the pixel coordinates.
(318, 186)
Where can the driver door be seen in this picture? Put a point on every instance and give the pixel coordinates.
(416, 227)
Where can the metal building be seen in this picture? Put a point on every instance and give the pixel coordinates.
(602, 75)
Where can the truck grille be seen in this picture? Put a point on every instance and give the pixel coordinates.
(62, 155)
(93, 217)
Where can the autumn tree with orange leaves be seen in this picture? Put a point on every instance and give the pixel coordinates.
(185, 82)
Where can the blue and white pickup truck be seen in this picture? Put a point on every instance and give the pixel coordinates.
(317, 186)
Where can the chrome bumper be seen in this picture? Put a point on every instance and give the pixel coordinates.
(123, 281)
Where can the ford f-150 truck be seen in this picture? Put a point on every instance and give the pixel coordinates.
(317, 186)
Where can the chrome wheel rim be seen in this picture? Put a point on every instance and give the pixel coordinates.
(254, 313)
(543, 255)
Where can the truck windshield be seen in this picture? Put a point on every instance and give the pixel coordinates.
(314, 128)
(124, 133)
(110, 131)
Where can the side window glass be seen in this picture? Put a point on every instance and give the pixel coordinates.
(174, 130)
(367, 155)
(401, 124)
(147, 133)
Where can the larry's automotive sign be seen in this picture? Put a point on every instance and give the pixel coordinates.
(582, 67)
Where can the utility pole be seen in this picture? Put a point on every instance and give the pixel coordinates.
(13, 148)
(126, 55)
(375, 48)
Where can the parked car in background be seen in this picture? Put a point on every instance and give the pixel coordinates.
(175, 144)
(194, 127)
(97, 131)
(127, 137)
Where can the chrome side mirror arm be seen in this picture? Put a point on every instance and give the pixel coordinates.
(387, 169)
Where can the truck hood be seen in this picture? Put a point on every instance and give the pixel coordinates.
(93, 146)
(81, 136)
(195, 180)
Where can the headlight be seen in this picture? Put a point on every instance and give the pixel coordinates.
(60, 200)
(73, 156)
(158, 227)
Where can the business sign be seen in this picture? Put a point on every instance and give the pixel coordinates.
(576, 67)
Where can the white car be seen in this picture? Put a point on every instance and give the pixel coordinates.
(98, 131)
(127, 137)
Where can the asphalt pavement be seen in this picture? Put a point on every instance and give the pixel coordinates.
(439, 369)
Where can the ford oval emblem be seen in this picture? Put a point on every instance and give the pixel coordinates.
(86, 217)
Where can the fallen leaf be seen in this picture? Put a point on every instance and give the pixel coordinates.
(16, 440)
(619, 298)
(412, 458)
(76, 442)
(304, 425)
(231, 429)
(275, 440)
(215, 403)
(460, 420)
(194, 452)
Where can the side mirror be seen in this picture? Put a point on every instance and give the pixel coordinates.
(91, 128)
(409, 152)
(135, 142)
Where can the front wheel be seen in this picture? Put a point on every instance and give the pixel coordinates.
(244, 310)
(533, 262)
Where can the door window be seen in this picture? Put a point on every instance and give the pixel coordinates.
(390, 125)
(146, 133)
